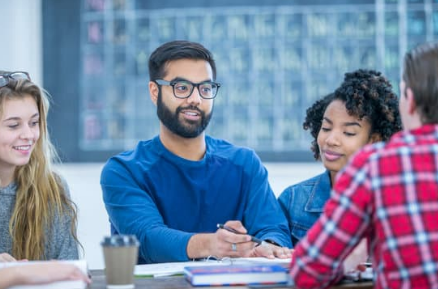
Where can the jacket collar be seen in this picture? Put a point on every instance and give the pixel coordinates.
(320, 193)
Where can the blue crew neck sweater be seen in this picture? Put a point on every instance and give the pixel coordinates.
(164, 199)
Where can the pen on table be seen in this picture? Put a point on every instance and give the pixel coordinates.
(229, 229)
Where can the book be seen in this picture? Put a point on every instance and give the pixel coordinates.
(68, 284)
(177, 268)
(236, 275)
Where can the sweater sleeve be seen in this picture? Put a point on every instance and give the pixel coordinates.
(263, 215)
(132, 210)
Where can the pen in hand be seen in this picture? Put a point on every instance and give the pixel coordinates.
(229, 229)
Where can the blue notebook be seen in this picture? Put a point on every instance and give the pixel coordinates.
(236, 275)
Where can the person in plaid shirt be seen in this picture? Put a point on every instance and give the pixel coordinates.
(387, 193)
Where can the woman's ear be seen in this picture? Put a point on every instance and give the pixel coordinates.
(153, 91)
(375, 137)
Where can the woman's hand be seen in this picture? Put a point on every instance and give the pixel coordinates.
(41, 273)
(357, 257)
(271, 251)
(45, 273)
(5, 257)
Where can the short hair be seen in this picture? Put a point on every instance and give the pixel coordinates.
(366, 94)
(174, 50)
(420, 74)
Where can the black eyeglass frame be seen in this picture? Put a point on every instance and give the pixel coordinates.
(173, 82)
(4, 78)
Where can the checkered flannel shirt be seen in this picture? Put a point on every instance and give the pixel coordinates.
(388, 193)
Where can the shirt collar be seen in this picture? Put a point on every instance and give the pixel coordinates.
(320, 193)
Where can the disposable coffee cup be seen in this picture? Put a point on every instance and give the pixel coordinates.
(120, 253)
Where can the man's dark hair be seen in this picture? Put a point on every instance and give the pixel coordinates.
(366, 94)
(420, 74)
(175, 50)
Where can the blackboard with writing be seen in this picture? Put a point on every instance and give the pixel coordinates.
(273, 60)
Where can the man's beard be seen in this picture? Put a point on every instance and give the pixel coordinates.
(188, 129)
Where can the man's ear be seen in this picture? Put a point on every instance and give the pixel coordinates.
(410, 101)
(153, 91)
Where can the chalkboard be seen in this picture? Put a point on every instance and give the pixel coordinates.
(274, 60)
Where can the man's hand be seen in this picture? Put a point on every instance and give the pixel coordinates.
(230, 244)
(222, 243)
(271, 251)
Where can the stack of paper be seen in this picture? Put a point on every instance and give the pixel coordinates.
(177, 268)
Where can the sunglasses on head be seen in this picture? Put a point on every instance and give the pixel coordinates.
(5, 78)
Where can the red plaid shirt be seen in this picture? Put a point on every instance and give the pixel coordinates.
(388, 193)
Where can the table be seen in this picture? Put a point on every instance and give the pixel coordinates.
(179, 282)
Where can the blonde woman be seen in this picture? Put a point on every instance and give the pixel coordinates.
(37, 218)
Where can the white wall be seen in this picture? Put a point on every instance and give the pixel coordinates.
(21, 37)
(93, 224)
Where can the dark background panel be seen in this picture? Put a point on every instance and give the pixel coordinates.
(61, 73)
(318, 56)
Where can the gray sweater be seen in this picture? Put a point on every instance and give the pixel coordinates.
(60, 244)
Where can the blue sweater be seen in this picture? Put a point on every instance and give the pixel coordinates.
(164, 199)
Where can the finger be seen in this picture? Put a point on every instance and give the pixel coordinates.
(68, 271)
(78, 274)
(282, 252)
(264, 251)
(236, 225)
(5, 257)
(361, 267)
(231, 237)
(241, 249)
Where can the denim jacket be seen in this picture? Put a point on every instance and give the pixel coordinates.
(303, 203)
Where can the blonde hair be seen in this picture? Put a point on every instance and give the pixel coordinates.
(41, 196)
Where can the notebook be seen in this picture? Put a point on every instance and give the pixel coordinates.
(236, 275)
(71, 284)
(177, 268)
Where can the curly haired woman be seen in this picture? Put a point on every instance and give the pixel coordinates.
(37, 217)
(363, 110)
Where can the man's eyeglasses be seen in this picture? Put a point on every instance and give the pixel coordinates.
(4, 79)
(184, 88)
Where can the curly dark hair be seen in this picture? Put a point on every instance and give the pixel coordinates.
(366, 94)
